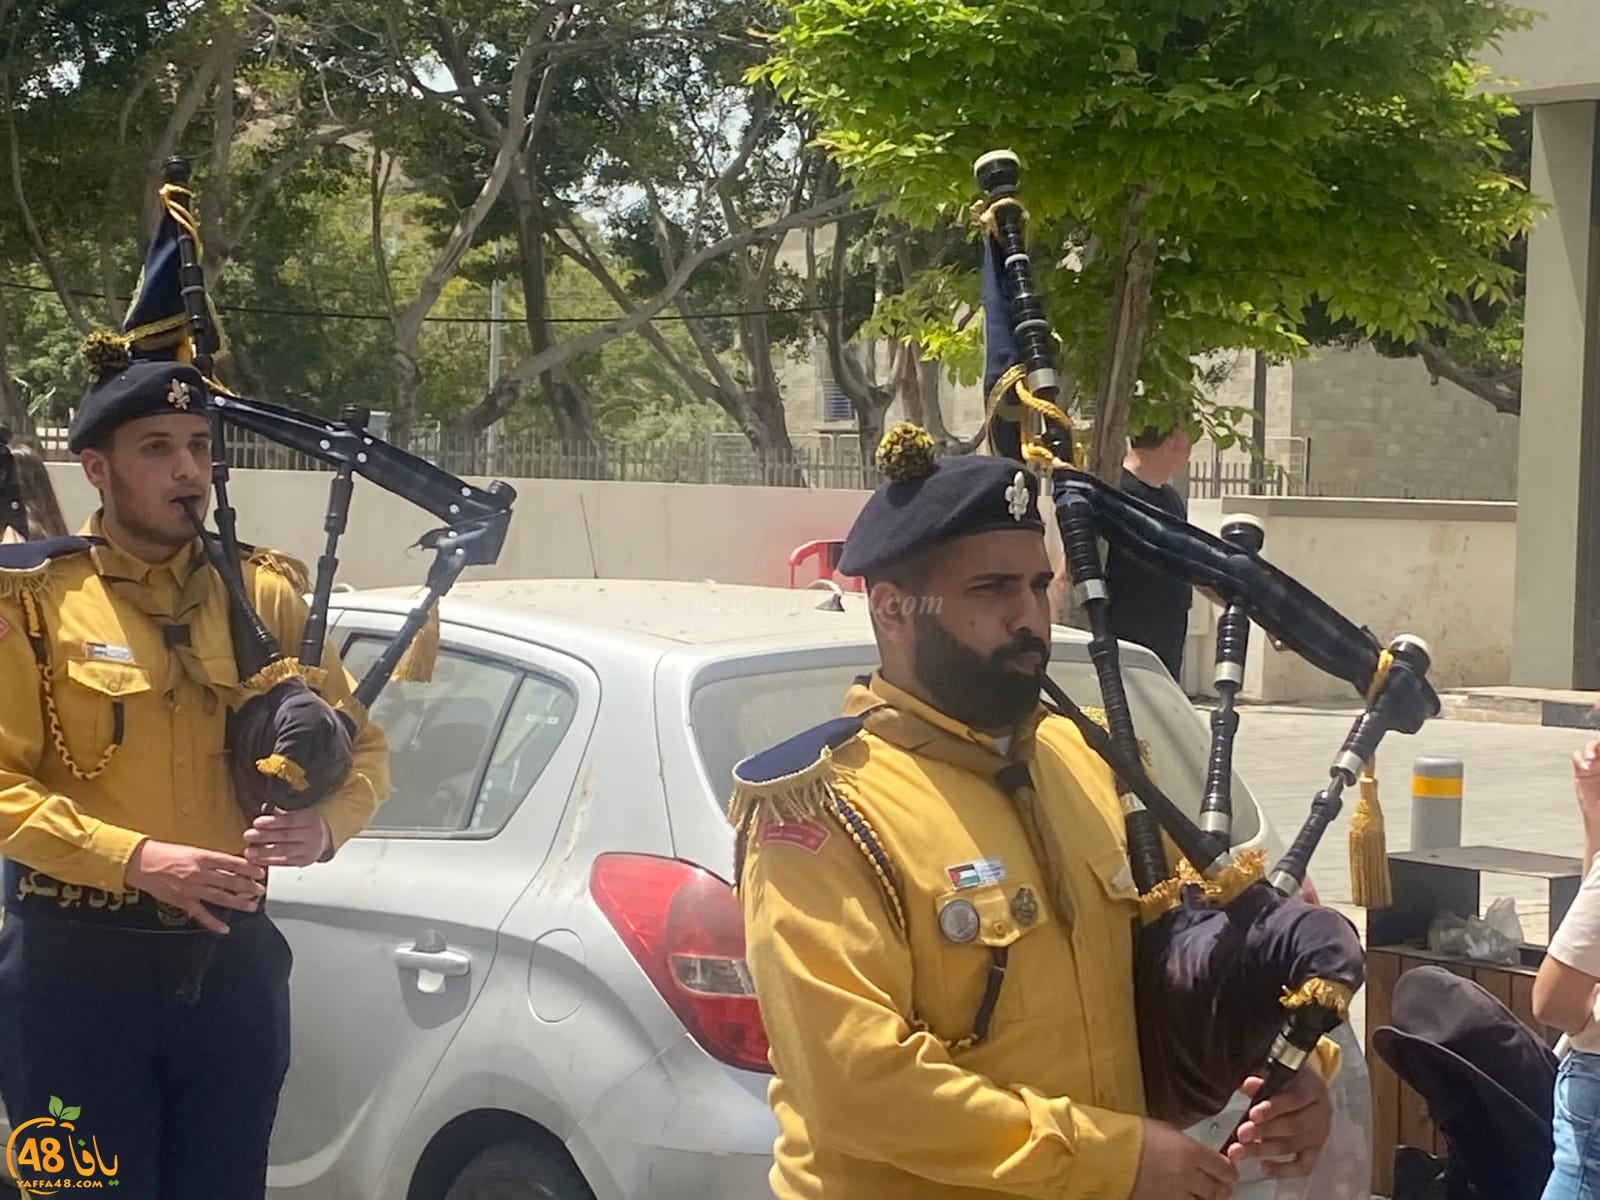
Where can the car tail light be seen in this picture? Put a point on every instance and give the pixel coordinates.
(685, 929)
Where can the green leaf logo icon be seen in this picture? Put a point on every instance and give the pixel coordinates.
(55, 1106)
(70, 1114)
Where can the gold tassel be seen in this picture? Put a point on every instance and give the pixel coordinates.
(279, 767)
(1369, 855)
(417, 663)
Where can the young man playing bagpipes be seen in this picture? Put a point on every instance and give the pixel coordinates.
(131, 868)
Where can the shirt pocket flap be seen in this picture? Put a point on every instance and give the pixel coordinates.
(1115, 874)
(221, 669)
(115, 679)
(994, 914)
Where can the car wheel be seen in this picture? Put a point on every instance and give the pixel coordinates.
(520, 1171)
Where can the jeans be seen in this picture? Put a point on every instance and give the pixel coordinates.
(1576, 1172)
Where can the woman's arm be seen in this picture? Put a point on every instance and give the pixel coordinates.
(1564, 991)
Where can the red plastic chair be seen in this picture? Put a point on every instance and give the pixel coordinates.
(826, 552)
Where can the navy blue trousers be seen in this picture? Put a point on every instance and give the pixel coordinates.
(183, 1096)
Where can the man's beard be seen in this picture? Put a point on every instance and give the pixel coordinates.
(984, 693)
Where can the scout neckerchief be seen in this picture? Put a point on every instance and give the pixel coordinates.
(132, 580)
(904, 721)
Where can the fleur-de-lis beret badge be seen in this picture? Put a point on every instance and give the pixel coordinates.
(178, 394)
(1017, 496)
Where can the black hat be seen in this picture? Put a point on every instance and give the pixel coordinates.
(1488, 1080)
(931, 500)
(140, 389)
(145, 369)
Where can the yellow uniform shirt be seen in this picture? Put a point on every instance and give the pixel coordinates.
(120, 761)
(879, 1093)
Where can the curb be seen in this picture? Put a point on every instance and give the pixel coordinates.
(1516, 710)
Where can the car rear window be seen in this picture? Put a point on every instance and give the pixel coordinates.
(740, 714)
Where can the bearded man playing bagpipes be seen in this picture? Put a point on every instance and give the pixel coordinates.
(160, 753)
(979, 974)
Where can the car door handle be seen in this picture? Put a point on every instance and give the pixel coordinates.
(433, 967)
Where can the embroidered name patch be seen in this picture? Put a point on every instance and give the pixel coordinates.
(808, 835)
(101, 652)
(975, 874)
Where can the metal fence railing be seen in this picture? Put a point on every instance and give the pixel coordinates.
(714, 458)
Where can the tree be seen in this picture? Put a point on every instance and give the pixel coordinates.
(1200, 174)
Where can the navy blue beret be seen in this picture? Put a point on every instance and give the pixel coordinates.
(929, 501)
(143, 388)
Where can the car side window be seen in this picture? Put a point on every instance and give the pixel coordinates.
(539, 718)
(439, 735)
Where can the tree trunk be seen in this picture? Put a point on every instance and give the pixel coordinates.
(570, 403)
(13, 409)
(407, 392)
(1130, 312)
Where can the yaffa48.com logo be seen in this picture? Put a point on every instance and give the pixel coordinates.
(51, 1153)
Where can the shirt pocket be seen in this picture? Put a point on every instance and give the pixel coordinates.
(92, 707)
(984, 926)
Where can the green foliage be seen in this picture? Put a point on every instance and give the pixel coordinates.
(1333, 153)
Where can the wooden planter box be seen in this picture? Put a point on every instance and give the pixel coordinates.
(1427, 882)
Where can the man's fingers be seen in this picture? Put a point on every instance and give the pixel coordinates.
(202, 915)
(232, 864)
(226, 899)
(1219, 1169)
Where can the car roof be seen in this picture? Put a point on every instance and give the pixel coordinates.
(700, 613)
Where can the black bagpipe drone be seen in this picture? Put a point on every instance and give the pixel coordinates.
(288, 747)
(1236, 973)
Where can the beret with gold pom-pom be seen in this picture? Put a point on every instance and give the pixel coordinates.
(929, 499)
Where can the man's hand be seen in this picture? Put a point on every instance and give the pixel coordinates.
(1293, 1125)
(190, 878)
(287, 839)
(1173, 1166)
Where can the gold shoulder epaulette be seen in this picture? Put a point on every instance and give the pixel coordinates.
(284, 566)
(793, 784)
(30, 566)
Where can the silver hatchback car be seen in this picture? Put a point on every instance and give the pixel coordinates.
(525, 979)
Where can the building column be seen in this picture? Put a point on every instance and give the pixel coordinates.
(1556, 619)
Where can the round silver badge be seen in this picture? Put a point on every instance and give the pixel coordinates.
(958, 921)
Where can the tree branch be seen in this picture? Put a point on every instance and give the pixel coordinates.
(1503, 391)
(35, 237)
(189, 101)
(564, 352)
(584, 255)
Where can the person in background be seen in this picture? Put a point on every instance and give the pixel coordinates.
(30, 510)
(1566, 994)
(1149, 608)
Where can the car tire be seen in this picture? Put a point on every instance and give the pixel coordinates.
(520, 1171)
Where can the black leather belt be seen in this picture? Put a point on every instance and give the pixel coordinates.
(34, 895)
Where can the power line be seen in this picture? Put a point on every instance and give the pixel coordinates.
(338, 315)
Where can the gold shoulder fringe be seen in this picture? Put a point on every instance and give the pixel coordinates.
(285, 567)
(1245, 869)
(39, 582)
(264, 680)
(279, 767)
(1325, 992)
(801, 796)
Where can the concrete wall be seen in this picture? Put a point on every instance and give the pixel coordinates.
(1438, 569)
(1378, 426)
(1358, 424)
(562, 528)
(1556, 59)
